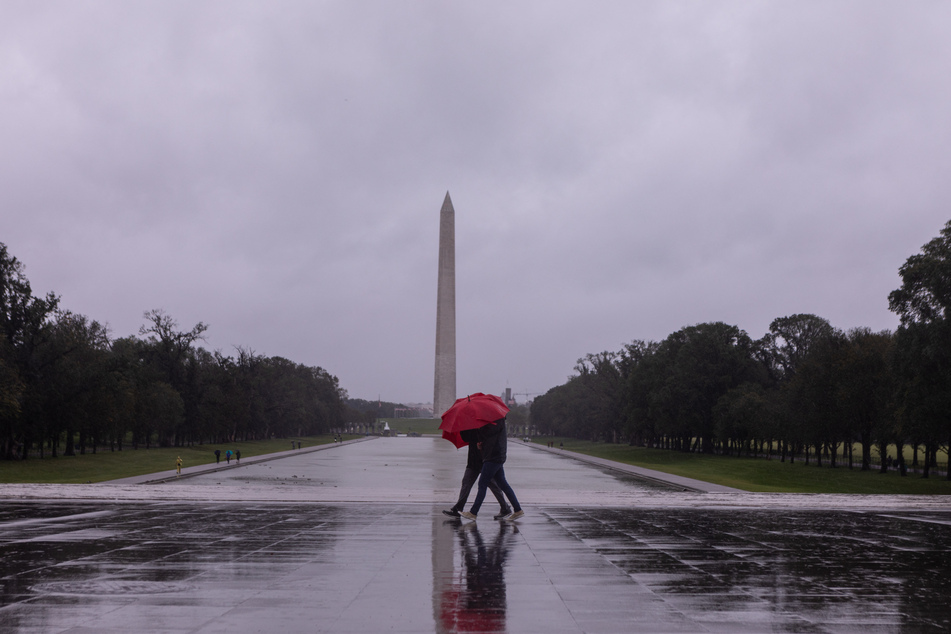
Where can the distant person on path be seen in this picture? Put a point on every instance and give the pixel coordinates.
(237, 455)
(228, 456)
(473, 469)
(217, 456)
(492, 442)
(178, 467)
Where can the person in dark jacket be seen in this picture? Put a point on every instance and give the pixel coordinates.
(473, 469)
(493, 443)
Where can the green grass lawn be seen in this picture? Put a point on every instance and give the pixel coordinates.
(761, 475)
(418, 425)
(749, 474)
(109, 465)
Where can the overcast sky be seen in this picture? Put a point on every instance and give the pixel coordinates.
(619, 170)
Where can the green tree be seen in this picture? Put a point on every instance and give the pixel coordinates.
(126, 377)
(792, 338)
(600, 384)
(560, 411)
(866, 388)
(640, 362)
(925, 293)
(704, 362)
(159, 411)
(171, 353)
(25, 322)
(74, 389)
(923, 341)
(742, 416)
(784, 349)
(11, 391)
(518, 419)
(812, 393)
(923, 369)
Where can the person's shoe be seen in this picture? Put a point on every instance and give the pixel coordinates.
(514, 516)
(451, 513)
(502, 514)
(467, 515)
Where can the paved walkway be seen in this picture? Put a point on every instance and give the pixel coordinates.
(680, 482)
(352, 540)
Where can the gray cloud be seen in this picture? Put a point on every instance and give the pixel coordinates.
(618, 170)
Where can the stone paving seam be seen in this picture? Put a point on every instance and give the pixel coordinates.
(582, 562)
(670, 610)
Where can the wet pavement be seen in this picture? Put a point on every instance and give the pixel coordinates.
(256, 549)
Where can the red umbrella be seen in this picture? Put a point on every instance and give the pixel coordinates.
(471, 412)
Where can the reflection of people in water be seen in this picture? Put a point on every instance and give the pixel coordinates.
(476, 601)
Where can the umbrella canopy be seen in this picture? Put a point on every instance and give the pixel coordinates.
(471, 412)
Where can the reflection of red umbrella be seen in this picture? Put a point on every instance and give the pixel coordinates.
(471, 412)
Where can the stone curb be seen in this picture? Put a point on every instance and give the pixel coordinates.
(163, 477)
(687, 484)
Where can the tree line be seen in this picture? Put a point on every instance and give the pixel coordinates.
(66, 386)
(804, 390)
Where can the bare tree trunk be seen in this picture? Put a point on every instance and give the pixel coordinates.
(948, 469)
(70, 447)
(866, 440)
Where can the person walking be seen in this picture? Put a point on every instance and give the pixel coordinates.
(473, 469)
(178, 467)
(492, 442)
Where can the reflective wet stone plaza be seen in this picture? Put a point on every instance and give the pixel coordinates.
(599, 553)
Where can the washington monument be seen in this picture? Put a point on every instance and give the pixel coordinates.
(445, 385)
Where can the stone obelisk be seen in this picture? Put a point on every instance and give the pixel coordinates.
(445, 387)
